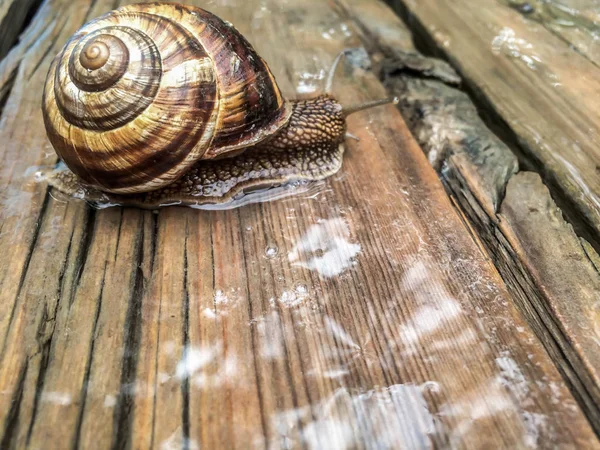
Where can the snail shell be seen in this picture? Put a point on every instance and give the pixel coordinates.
(139, 95)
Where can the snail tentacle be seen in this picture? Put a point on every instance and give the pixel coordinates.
(332, 71)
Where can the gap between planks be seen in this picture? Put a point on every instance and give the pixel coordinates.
(362, 309)
(554, 285)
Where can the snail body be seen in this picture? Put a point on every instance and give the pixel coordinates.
(158, 103)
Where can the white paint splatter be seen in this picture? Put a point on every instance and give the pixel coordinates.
(325, 248)
(57, 398)
(195, 358)
(177, 441)
(388, 417)
(110, 401)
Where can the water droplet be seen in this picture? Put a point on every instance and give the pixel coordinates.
(271, 251)
(220, 298)
(39, 176)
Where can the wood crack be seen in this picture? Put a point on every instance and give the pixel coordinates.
(14, 21)
(185, 383)
(51, 48)
(84, 248)
(579, 218)
(63, 270)
(465, 165)
(36, 233)
(6, 89)
(45, 355)
(90, 357)
(123, 414)
(118, 234)
(26, 263)
(90, 10)
(155, 241)
(253, 334)
(531, 300)
(13, 415)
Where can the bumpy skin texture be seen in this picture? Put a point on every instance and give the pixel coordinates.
(309, 147)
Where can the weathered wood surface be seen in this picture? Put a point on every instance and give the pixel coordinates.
(546, 93)
(562, 266)
(13, 14)
(576, 21)
(549, 270)
(364, 314)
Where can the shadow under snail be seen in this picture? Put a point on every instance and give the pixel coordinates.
(158, 104)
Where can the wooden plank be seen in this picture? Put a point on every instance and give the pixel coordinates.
(13, 14)
(441, 117)
(529, 78)
(560, 264)
(575, 21)
(545, 264)
(363, 314)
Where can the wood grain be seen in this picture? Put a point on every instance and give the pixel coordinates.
(13, 14)
(476, 166)
(545, 264)
(362, 315)
(575, 21)
(532, 80)
(562, 268)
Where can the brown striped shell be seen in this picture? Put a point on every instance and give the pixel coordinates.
(140, 94)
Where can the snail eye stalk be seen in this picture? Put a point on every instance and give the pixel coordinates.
(332, 70)
(347, 110)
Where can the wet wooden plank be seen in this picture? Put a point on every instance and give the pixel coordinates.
(547, 267)
(362, 313)
(562, 265)
(532, 80)
(575, 21)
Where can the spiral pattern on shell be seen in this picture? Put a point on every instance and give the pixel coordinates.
(140, 94)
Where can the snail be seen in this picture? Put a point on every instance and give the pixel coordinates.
(157, 104)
